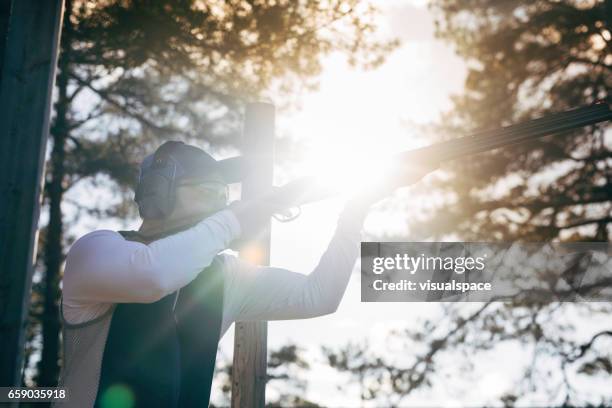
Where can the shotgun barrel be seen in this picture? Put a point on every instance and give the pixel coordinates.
(304, 190)
(492, 139)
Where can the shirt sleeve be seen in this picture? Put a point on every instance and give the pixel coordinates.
(104, 267)
(268, 293)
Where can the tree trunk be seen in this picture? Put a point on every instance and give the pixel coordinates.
(53, 251)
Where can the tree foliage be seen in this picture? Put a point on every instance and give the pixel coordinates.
(446, 352)
(286, 370)
(526, 59)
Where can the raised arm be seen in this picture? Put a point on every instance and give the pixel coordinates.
(104, 267)
(267, 293)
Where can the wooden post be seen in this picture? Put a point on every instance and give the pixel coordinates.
(250, 338)
(5, 10)
(28, 70)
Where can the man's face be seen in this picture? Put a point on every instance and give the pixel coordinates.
(199, 198)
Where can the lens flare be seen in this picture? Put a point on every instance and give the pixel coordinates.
(348, 171)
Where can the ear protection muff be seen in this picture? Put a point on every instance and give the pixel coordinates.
(156, 190)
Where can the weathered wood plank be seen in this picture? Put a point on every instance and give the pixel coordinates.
(28, 70)
(250, 338)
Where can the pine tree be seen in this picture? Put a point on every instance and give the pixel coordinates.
(526, 59)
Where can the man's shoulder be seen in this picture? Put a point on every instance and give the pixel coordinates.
(97, 236)
(91, 241)
(85, 252)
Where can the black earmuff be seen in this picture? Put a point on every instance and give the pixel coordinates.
(156, 190)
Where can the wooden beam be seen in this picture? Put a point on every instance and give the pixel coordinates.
(5, 9)
(28, 71)
(250, 338)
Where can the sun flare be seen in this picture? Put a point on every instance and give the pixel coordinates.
(348, 171)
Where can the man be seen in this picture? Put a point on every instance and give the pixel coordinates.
(143, 311)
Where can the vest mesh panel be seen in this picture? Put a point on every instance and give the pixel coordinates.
(83, 349)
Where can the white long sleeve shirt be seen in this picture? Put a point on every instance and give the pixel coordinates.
(103, 268)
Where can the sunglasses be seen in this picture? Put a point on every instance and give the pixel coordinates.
(217, 188)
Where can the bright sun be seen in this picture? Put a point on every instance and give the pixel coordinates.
(347, 170)
(355, 122)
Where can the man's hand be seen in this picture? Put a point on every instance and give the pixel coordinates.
(400, 175)
(252, 216)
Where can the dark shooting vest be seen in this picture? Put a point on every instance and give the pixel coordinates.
(163, 353)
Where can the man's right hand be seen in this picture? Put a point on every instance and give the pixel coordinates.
(253, 215)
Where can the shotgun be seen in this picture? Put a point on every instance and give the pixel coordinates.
(305, 190)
